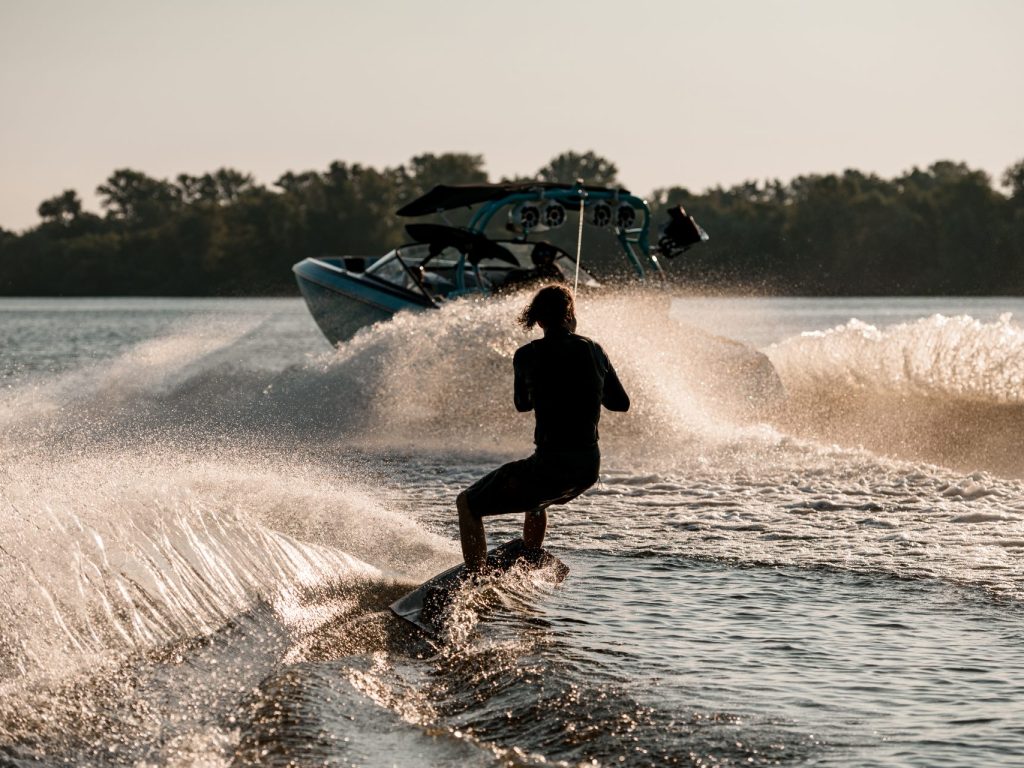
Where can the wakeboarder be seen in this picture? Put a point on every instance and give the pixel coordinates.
(564, 379)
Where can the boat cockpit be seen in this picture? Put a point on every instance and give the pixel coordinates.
(438, 271)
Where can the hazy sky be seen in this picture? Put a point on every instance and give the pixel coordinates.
(673, 91)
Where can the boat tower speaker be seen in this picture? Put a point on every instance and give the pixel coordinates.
(552, 215)
(625, 217)
(601, 214)
(524, 217)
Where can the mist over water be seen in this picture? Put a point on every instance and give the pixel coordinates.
(206, 509)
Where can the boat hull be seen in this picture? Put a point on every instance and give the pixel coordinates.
(342, 302)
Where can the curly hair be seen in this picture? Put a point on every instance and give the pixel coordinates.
(552, 307)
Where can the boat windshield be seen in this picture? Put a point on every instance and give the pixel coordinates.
(403, 267)
(439, 275)
(536, 262)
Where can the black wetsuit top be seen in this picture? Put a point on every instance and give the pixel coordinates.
(566, 379)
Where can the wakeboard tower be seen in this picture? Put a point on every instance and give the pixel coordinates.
(425, 606)
(510, 228)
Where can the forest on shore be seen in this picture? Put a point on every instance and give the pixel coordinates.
(943, 230)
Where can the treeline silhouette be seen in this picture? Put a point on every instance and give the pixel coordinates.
(941, 230)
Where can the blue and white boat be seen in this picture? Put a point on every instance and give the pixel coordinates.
(515, 234)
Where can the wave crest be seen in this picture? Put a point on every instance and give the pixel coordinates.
(952, 357)
(947, 390)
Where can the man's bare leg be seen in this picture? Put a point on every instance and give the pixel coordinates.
(471, 531)
(534, 526)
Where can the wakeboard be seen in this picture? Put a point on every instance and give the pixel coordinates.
(424, 606)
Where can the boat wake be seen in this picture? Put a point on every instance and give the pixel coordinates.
(114, 553)
(199, 536)
(946, 390)
(168, 473)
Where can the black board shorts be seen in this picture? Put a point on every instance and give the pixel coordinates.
(554, 477)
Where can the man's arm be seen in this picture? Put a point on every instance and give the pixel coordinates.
(614, 397)
(523, 389)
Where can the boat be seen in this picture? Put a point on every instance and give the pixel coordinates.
(511, 235)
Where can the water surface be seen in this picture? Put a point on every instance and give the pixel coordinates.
(207, 510)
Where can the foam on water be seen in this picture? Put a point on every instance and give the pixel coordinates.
(420, 382)
(444, 381)
(129, 553)
(150, 367)
(948, 390)
(958, 358)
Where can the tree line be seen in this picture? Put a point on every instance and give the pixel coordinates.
(945, 229)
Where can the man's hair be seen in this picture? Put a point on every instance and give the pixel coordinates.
(553, 306)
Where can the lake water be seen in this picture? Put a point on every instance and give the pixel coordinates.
(205, 510)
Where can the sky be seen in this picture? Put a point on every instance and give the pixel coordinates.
(675, 92)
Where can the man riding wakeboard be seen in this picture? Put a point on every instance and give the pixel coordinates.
(565, 379)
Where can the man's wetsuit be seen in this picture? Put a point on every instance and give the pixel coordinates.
(564, 379)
